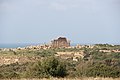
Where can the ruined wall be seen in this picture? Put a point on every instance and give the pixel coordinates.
(67, 55)
(60, 42)
(19, 59)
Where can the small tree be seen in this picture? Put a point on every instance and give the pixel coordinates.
(54, 67)
(47, 67)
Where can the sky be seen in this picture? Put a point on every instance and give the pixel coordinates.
(40, 21)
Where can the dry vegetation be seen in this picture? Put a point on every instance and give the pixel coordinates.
(44, 65)
(99, 78)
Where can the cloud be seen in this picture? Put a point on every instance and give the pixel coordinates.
(62, 6)
(58, 6)
(5, 5)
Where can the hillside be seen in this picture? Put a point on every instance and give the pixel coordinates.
(100, 60)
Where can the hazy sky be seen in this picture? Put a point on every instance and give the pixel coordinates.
(39, 21)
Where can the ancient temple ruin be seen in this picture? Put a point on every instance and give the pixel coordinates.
(60, 42)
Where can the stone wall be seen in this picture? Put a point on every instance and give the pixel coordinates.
(19, 59)
(60, 42)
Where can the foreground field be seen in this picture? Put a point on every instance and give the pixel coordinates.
(102, 60)
(68, 79)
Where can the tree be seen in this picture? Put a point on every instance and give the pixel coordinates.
(54, 67)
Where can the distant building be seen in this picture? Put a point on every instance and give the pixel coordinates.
(60, 42)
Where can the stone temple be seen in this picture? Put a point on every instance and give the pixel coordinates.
(61, 42)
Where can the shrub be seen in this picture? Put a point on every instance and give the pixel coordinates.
(50, 66)
(54, 67)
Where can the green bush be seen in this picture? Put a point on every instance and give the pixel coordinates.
(54, 67)
(102, 70)
(50, 66)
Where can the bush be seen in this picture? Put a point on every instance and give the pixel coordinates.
(50, 66)
(54, 67)
(102, 70)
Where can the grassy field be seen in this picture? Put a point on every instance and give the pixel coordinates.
(99, 78)
(33, 64)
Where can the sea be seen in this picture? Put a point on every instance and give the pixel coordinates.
(14, 45)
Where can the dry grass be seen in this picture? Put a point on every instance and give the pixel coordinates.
(68, 79)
